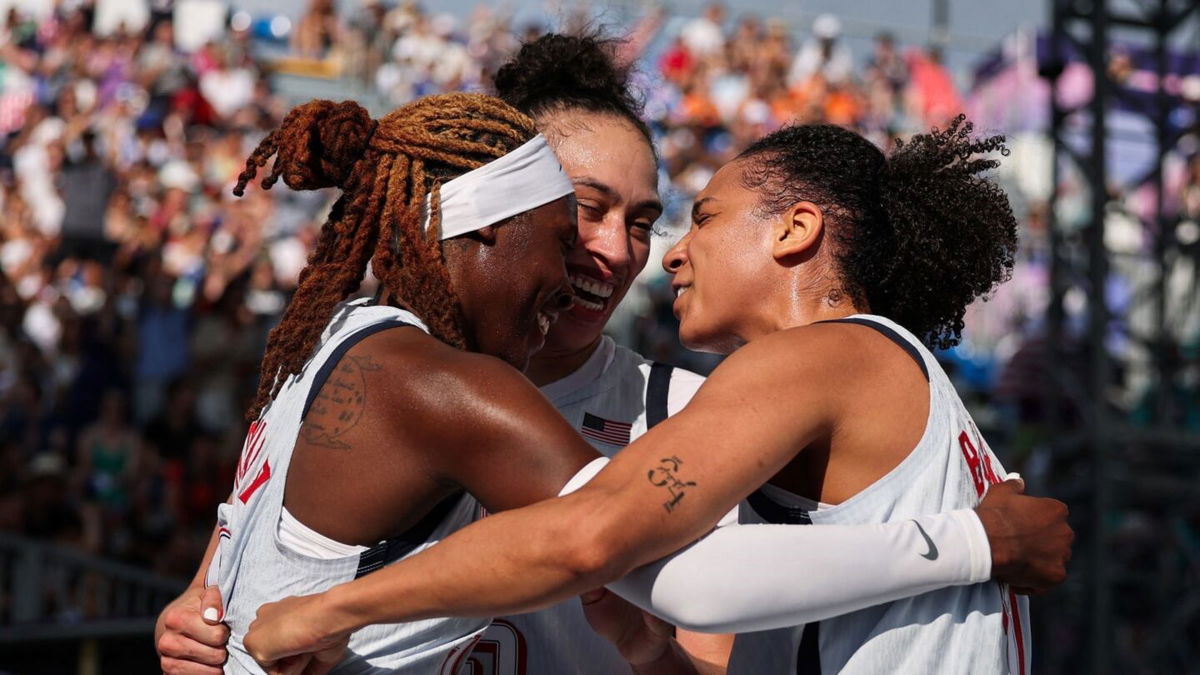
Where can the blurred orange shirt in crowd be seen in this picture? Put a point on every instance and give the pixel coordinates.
(697, 108)
(842, 107)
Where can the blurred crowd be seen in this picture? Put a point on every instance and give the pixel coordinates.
(136, 292)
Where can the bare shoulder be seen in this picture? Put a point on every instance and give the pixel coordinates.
(415, 369)
(464, 419)
(815, 350)
(433, 384)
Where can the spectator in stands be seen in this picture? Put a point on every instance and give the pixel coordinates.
(162, 330)
(87, 185)
(704, 36)
(317, 30)
(932, 96)
(823, 54)
(108, 455)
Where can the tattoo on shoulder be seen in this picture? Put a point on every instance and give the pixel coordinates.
(339, 406)
(666, 476)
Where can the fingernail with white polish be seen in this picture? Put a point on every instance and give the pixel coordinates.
(211, 614)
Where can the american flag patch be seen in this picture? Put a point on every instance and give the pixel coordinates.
(605, 431)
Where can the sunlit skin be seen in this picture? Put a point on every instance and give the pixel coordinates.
(500, 318)
(613, 169)
(503, 320)
(719, 263)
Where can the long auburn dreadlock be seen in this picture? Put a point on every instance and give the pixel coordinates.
(385, 169)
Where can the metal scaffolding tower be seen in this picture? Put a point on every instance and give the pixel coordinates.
(1123, 353)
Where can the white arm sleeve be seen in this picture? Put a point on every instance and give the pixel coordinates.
(742, 578)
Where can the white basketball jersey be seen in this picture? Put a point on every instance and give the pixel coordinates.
(963, 629)
(607, 401)
(252, 567)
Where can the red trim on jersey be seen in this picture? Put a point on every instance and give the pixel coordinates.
(263, 476)
(465, 651)
(522, 648)
(1005, 610)
(1016, 614)
(252, 446)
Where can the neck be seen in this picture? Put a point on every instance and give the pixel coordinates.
(802, 308)
(553, 364)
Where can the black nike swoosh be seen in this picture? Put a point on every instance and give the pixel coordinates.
(933, 552)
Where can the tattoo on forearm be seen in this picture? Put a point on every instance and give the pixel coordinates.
(666, 475)
(339, 406)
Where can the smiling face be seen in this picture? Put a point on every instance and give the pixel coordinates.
(725, 281)
(511, 282)
(613, 169)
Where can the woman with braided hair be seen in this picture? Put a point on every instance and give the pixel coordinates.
(377, 425)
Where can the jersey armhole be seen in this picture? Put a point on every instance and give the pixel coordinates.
(658, 390)
(339, 352)
(892, 335)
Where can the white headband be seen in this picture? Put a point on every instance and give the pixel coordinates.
(524, 179)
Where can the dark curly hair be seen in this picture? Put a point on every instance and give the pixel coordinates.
(559, 72)
(918, 235)
(385, 169)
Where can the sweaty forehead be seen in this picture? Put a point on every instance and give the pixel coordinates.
(726, 184)
(593, 143)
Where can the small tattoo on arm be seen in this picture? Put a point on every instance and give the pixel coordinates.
(665, 475)
(339, 406)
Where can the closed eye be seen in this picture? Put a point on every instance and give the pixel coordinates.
(591, 211)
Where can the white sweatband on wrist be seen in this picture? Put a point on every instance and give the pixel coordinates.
(743, 578)
(584, 475)
(524, 179)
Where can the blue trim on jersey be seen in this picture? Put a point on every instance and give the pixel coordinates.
(336, 357)
(390, 550)
(892, 335)
(808, 656)
(775, 513)
(658, 390)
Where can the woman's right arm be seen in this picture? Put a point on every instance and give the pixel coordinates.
(663, 491)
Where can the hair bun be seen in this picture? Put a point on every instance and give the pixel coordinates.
(336, 138)
(316, 146)
(564, 69)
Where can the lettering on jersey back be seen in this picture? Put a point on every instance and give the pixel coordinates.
(979, 462)
(983, 474)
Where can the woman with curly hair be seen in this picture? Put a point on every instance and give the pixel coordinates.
(825, 264)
